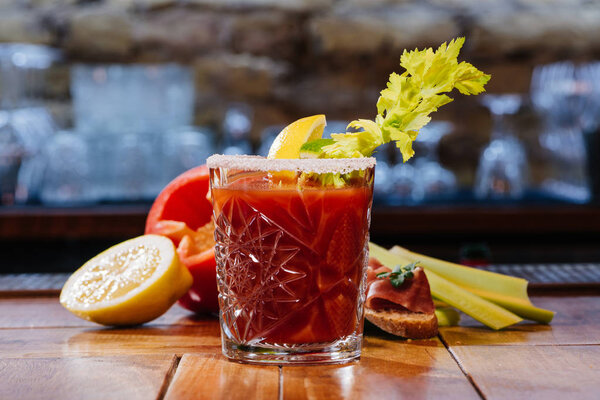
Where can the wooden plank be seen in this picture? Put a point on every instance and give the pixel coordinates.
(388, 369)
(46, 312)
(213, 377)
(577, 321)
(117, 377)
(533, 372)
(63, 342)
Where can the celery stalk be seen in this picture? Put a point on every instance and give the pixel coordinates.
(480, 309)
(439, 304)
(506, 291)
(447, 316)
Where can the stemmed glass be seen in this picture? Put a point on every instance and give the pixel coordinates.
(434, 181)
(502, 170)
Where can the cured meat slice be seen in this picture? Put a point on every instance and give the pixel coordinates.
(413, 295)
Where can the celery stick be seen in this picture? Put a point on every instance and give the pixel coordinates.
(480, 309)
(447, 316)
(439, 304)
(522, 308)
(506, 291)
(467, 276)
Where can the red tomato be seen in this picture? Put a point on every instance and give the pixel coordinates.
(183, 214)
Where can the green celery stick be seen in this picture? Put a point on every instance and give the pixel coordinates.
(480, 309)
(506, 291)
(447, 316)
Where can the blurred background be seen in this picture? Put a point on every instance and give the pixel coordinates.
(103, 102)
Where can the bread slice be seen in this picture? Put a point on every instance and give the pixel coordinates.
(407, 324)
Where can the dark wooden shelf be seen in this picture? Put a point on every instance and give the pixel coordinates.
(98, 222)
(118, 221)
(546, 219)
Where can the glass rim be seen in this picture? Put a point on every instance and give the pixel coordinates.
(315, 165)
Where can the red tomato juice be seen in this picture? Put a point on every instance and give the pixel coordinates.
(291, 263)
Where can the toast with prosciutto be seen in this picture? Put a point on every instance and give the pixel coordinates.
(399, 301)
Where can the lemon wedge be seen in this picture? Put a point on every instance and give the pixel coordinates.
(131, 283)
(289, 141)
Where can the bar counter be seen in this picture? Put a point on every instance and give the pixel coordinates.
(47, 353)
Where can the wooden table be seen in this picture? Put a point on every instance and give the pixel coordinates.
(46, 353)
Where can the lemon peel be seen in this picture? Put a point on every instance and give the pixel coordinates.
(288, 142)
(130, 283)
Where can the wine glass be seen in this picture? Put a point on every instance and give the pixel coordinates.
(434, 181)
(502, 171)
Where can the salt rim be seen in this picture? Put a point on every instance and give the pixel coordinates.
(316, 165)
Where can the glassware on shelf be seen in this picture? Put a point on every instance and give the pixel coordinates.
(22, 78)
(185, 148)
(290, 263)
(434, 181)
(590, 73)
(136, 98)
(134, 169)
(35, 126)
(503, 170)
(128, 110)
(237, 125)
(404, 181)
(12, 152)
(562, 93)
(66, 177)
(22, 73)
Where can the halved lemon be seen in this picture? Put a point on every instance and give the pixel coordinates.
(131, 283)
(289, 141)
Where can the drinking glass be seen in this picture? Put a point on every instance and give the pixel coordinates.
(291, 256)
(433, 180)
(563, 94)
(66, 179)
(237, 125)
(185, 148)
(502, 170)
(12, 152)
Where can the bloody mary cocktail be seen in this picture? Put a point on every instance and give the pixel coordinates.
(291, 257)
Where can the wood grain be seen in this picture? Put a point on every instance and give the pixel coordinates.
(213, 377)
(46, 312)
(577, 321)
(65, 342)
(388, 369)
(533, 372)
(117, 377)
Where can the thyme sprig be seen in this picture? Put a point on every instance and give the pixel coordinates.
(399, 274)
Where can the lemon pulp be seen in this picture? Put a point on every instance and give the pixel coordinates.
(288, 142)
(130, 283)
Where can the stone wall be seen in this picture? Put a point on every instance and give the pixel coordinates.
(289, 58)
